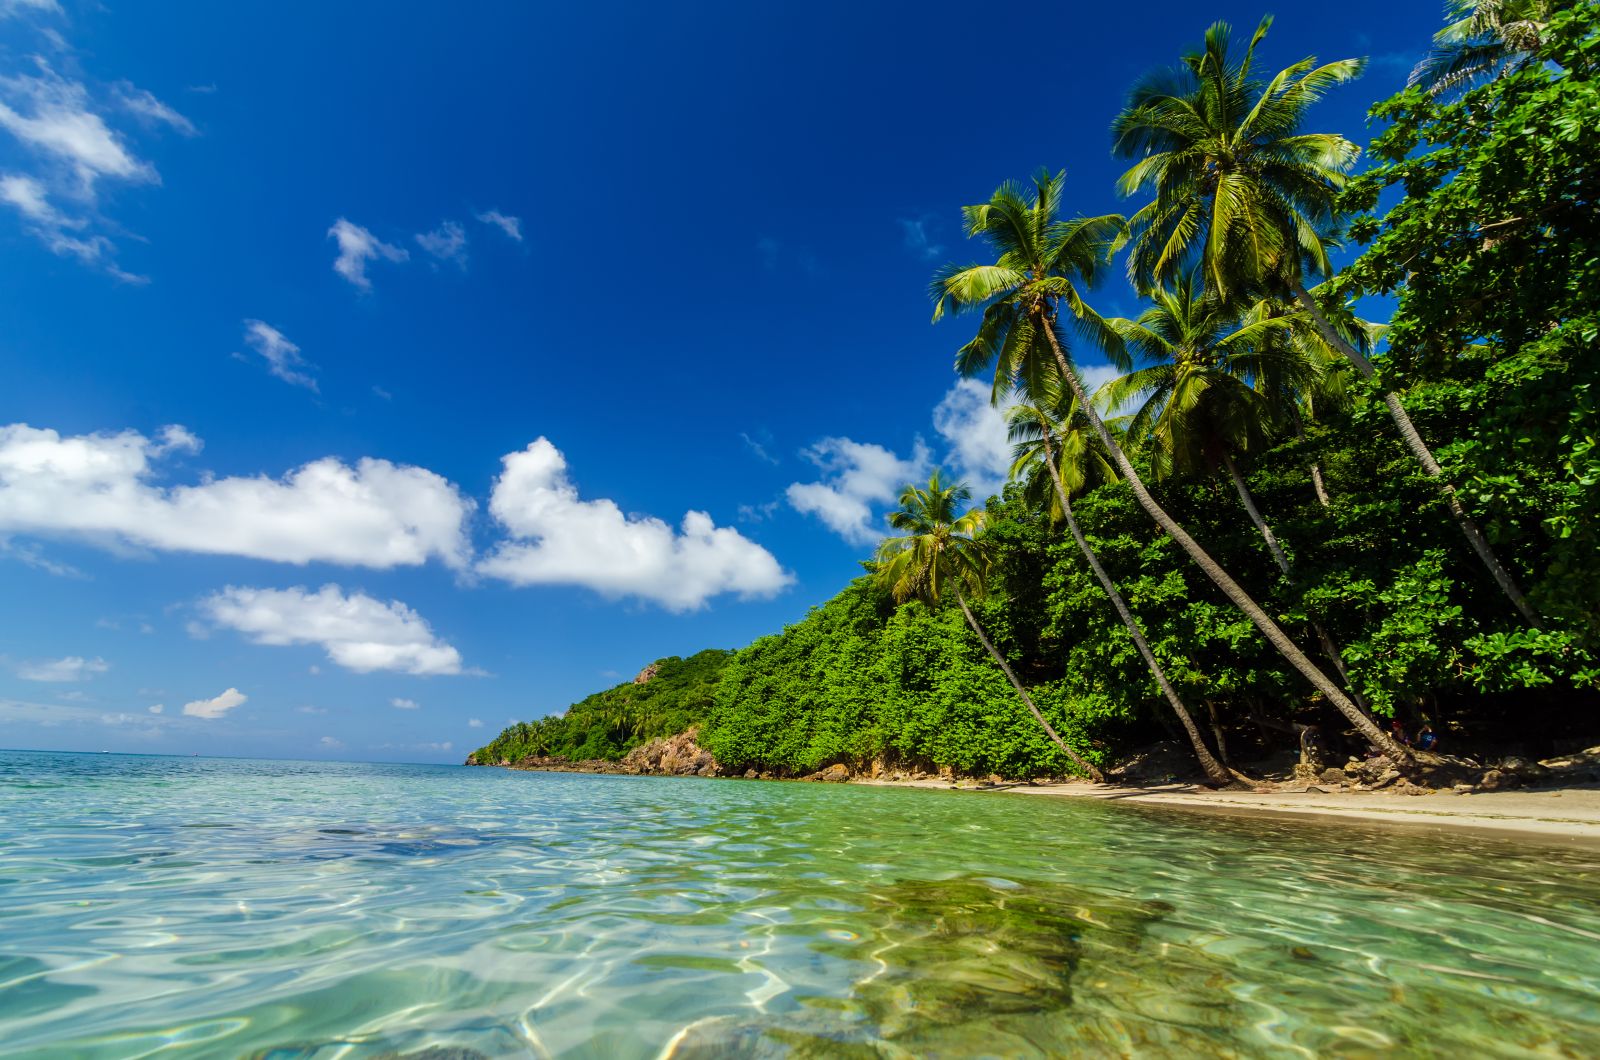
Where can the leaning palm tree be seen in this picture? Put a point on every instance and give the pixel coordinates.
(1218, 384)
(1042, 260)
(1244, 194)
(1483, 40)
(1051, 445)
(938, 550)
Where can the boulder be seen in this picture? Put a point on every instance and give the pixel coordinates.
(837, 773)
(1499, 780)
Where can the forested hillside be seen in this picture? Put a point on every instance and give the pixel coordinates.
(1313, 519)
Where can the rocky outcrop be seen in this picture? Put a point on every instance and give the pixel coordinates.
(643, 676)
(675, 756)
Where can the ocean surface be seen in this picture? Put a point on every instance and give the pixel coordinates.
(156, 906)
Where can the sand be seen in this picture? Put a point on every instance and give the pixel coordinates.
(1565, 815)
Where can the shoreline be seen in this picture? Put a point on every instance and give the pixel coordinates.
(1563, 813)
(1566, 813)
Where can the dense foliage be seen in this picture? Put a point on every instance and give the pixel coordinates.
(1479, 214)
(675, 697)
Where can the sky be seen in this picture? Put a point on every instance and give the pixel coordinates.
(376, 376)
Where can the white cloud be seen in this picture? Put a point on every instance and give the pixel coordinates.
(69, 147)
(98, 487)
(309, 709)
(30, 556)
(511, 226)
(217, 706)
(474, 723)
(568, 541)
(404, 704)
(71, 668)
(282, 356)
(33, 202)
(857, 476)
(357, 246)
(980, 453)
(448, 242)
(157, 709)
(357, 631)
(138, 101)
(330, 743)
(59, 124)
(16, 7)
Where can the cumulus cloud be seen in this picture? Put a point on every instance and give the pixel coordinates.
(357, 631)
(157, 708)
(100, 487)
(856, 478)
(357, 246)
(562, 540)
(404, 704)
(980, 452)
(70, 668)
(474, 723)
(448, 242)
(282, 356)
(217, 706)
(331, 744)
(511, 226)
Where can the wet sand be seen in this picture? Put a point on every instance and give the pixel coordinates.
(1571, 814)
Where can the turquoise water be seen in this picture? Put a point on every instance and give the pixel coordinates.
(204, 907)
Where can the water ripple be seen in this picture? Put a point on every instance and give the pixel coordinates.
(160, 906)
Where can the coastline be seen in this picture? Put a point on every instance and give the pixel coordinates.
(1565, 813)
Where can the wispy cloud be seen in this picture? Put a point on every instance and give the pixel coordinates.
(448, 242)
(282, 356)
(916, 233)
(70, 668)
(511, 226)
(759, 448)
(66, 127)
(357, 247)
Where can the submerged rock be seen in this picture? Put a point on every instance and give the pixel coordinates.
(960, 967)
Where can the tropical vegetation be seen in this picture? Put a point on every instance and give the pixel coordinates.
(1281, 516)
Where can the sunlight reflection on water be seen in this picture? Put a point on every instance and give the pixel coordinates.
(281, 909)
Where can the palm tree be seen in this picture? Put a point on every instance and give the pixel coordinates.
(1246, 195)
(937, 549)
(1217, 385)
(1483, 40)
(1051, 446)
(1041, 262)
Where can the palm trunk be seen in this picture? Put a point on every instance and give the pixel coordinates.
(1230, 588)
(1214, 769)
(1329, 647)
(1249, 501)
(1317, 484)
(1093, 773)
(1420, 450)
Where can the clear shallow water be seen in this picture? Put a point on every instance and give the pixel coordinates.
(205, 907)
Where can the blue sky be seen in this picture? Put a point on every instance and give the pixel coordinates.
(375, 376)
